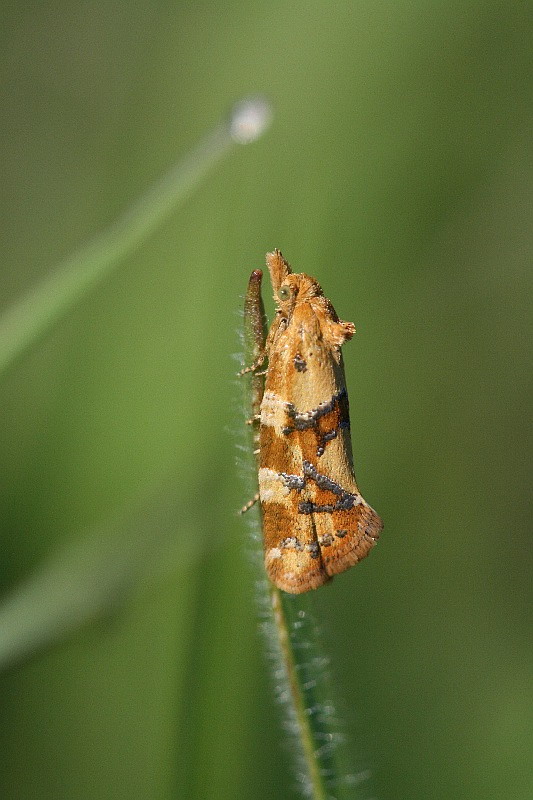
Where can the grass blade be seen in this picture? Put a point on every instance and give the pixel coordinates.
(29, 318)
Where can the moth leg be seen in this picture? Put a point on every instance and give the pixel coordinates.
(250, 504)
(253, 367)
(255, 418)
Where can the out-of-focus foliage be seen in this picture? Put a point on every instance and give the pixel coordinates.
(397, 172)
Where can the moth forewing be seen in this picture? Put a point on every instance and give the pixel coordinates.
(315, 521)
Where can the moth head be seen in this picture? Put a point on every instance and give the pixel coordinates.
(301, 295)
(285, 293)
(297, 288)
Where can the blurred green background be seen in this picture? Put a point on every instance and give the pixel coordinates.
(397, 171)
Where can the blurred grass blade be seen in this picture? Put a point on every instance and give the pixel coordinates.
(93, 576)
(30, 317)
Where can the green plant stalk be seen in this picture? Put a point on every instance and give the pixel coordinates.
(298, 694)
(300, 685)
(29, 318)
(92, 575)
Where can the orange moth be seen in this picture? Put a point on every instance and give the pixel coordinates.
(315, 520)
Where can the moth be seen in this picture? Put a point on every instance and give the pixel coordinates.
(316, 523)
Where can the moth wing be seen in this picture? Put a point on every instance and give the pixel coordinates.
(293, 563)
(346, 537)
(315, 521)
(345, 526)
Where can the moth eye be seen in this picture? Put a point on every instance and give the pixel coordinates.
(284, 293)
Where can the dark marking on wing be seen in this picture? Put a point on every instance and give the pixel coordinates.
(325, 420)
(346, 499)
(300, 364)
